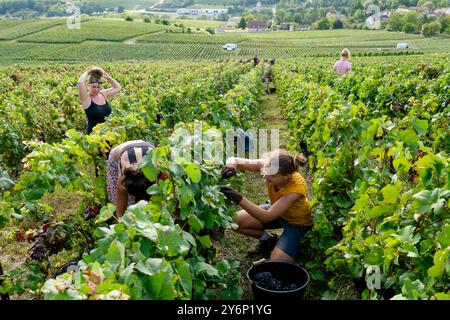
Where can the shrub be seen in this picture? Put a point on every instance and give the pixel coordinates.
(338, 24)
(431, 29)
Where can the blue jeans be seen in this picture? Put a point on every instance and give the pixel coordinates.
(290, 241)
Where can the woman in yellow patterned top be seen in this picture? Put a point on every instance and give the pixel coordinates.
(288, 208)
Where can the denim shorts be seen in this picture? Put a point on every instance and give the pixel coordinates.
(290, 241)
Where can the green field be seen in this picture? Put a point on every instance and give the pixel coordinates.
(104, 30)
(115, 39)
(194, 23)
(13, 29)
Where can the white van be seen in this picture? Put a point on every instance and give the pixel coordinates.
(230, 46)
(402, 46)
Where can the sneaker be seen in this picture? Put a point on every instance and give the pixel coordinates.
(264, 247)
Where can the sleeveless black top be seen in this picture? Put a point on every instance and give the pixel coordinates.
(130, 150)
(96, 114)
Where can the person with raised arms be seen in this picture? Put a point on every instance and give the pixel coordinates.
(93, 98)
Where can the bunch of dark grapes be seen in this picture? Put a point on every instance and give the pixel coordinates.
(91, 212)
(38, 251)
(57, 239)
(51, 239)
(263, 276)
(267, 281)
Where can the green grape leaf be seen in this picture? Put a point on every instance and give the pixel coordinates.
(421, 126)
(33, 194)
(161, 286)
(391, 193)
(116, 253)
(205, 241)
(193, 171)
(444, 236)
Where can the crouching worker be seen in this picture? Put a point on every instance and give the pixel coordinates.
(288, 208)
(126, 184)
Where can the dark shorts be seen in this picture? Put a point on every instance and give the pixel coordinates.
(290, 241)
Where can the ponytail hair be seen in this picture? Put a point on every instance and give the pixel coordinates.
(136, 183)
(300, 161)
(287, 163)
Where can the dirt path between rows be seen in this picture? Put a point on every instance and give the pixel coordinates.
(236, 245)
(133, 41)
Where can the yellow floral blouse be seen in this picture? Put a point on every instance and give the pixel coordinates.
(299, 213)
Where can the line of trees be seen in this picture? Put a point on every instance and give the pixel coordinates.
(316, 14)
(414, 22)
(410, 22)
(49, 8)
(338, 4)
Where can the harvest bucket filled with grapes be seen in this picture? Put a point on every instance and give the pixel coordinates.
(274, 279)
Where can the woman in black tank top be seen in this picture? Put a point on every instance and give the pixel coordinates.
(96, 114)
(94, 100)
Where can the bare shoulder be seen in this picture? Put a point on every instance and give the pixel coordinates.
(115, 153)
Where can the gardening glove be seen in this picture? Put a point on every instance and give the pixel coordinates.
(231, 194)
(228, 172)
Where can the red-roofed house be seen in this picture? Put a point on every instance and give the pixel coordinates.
(257, 26)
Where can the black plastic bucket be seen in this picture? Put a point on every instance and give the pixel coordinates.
(283, 271)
